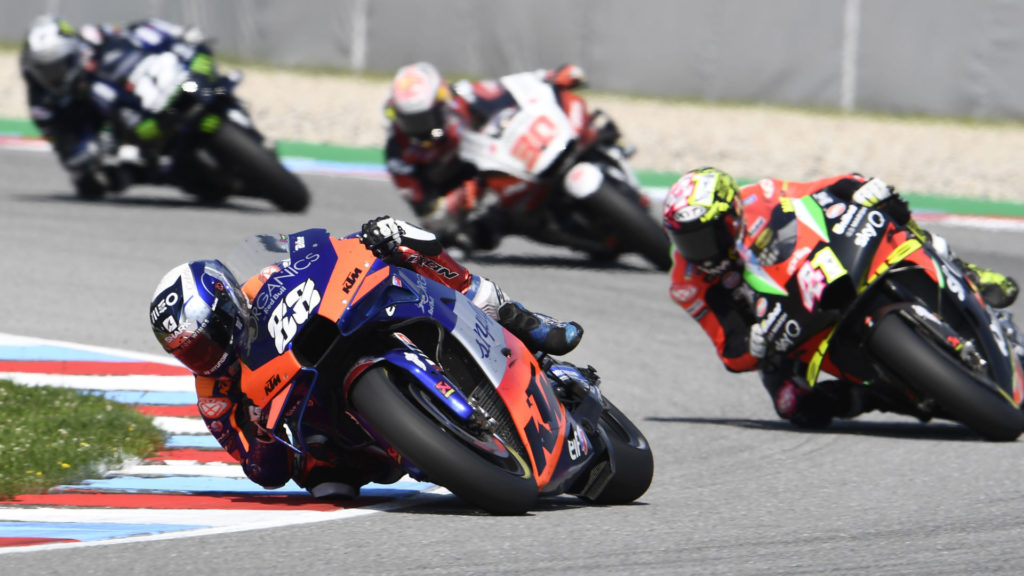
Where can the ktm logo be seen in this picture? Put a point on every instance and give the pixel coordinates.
(351, 280)
(272, 383)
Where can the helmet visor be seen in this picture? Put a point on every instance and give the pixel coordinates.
(426, 125)
(56, 76)
(710, 242)
(212, 346)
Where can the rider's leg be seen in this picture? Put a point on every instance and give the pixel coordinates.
(539, 332)
(998, 290)
(815, 407)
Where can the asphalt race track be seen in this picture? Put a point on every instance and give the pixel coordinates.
(736, 491)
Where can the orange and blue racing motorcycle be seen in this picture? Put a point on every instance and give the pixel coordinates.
(401, 362)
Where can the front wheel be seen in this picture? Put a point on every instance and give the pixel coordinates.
(259, 169)
(933, 373)
(498, 481)
(629, 457)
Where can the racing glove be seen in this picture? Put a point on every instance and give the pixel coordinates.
(877, 194)
(714, 269)
(382, 235)
(756, 343)
(566, 76)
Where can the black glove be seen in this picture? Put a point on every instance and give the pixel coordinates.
(876, 194)
(715, 268)
(896, 208)
(382, 236)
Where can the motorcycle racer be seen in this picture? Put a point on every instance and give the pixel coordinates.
(426, 117)
(199, 314)
(59, 64)
(704, 216)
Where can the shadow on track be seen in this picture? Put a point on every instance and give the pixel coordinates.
(143, 200)
(451, 505)
(571, 260)
(905, 430)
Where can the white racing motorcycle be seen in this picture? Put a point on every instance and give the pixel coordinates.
(560, 174)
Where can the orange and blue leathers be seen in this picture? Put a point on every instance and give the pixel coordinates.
(225, 410)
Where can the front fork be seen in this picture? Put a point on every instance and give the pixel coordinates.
(580, 470)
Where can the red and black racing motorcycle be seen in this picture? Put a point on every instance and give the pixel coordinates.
(843, 289)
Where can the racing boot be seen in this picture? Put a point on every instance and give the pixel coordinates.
(813, 408)
(1013, 335)
(318, 472)
(540, 333)
(997, 290)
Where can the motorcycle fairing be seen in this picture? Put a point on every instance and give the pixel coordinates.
(333, 279)
(581, 422)
(525, 140)
(410, 360)
(558, 446)
(512, 369)
(807, 258)
(269, 380)
(539, 418)
(423, 370)
(292, 295)
(142, 80)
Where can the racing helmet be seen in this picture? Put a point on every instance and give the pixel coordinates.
(419, 104)
(199, 315)
(702, 215)
(52, 54)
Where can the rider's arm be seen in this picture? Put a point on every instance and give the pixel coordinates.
(159, 33)
(565, 76)
(712, 301)
(406, 177)
(842, 186)
(229, 418)
(870, 192)
(403, 244)
(41, 104)
(41, 109)
(70, 129)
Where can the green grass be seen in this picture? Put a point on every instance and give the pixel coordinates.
(51, 436)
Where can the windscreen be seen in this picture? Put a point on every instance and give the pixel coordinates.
(256, 253)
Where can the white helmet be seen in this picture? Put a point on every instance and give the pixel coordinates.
(52, 54)
(419, 102)
(199, 315)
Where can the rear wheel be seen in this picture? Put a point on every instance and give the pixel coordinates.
(485, 473)
(933, 373)
(258, 168)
